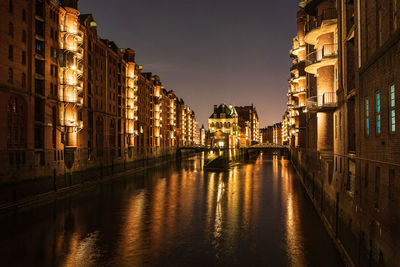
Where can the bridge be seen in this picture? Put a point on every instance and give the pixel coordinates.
(258, 147)
(223, 157)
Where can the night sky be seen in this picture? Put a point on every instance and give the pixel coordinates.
(208, 51)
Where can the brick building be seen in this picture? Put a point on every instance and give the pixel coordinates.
(223, 127)
(73, 101)
(350, 157)
(267, 134)
(249, 125)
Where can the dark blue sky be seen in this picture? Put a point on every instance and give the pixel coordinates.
(208, 51)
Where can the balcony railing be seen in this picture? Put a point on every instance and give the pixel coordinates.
(322, 102)
(327, 14)
(299, 105)
(327, 51)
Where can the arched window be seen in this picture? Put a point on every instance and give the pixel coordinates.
(16, 123)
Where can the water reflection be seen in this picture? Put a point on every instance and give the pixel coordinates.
(252, 214)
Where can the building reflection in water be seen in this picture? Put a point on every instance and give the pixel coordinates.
(294, 242)
(218, 209)
(132, 230)
(180, 215)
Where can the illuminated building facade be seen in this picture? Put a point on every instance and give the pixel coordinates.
(203, 136)
(296, 118)
(277, 134)
(223, 126)
(73, 101)
(249, 125)
(350, 155)
(267, 135)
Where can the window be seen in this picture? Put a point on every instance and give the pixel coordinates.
(54, 132)
(40, 48)
(23, 36)
(23, 15)
(391, 184)
(10, 6)
(377, 179)
(340, 125)
(378, 113)
(54, 52)
(39, 66)
(11, 29)
(16, 122)
(23, 80)
(10, 75)
(380, 30)
(366, 117)
(366, 174)
(392, 111)
(394, 14)
(10, 52)
(336, 126)
(23, 61)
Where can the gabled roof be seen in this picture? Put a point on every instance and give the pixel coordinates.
(229, 112)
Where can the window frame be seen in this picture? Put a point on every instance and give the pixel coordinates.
(378, 113)
(367, 117)
(392, 108)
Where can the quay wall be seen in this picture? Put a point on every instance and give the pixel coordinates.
(362, 223)
(27, 184)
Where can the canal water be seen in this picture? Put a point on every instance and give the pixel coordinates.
(254, 214)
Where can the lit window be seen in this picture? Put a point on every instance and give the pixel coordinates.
(378, 113)
(367, 116)
(392, 108)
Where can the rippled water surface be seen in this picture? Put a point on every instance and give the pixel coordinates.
(255, 214)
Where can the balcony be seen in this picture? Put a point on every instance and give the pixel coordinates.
(325, 56)
(324, 23)
(322, 103)
(297, 49)
(310, 6)
(298, 91)
(73, 99)
(296, 76)
(298, 65)
(299, 106)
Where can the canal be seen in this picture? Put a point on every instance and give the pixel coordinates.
(254, 214)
